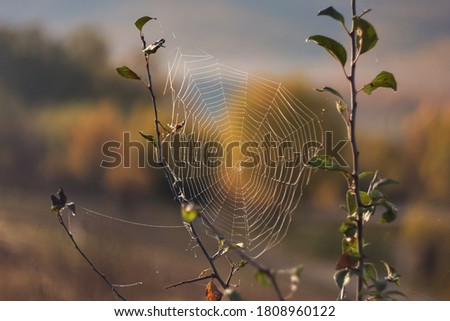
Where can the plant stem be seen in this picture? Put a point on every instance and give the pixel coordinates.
(208, 257)
(155, 109)
(252, 262)
(61, 221)
(355, 153)
(173, 180)
(170, 176)
(180, 198)
(211, 276)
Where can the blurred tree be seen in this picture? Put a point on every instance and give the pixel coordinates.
(86, 46)
(428, 152)
(50, 91)
(40, 70)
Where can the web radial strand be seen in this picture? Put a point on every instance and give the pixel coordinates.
(241, 151)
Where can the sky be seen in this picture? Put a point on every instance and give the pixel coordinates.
(264, 36)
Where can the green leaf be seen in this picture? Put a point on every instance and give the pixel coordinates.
(297, 271)
(127, 73)
(317, 162)
(332, 46)
(233, 295)
(350, 246)
(325, 162)
(390, 214)
(330, 90)
(333, 13)
(392, 275)
(380, 286)
(365, 174)
(348, 228)
(242, 263)
(341, 107)
(342, 278)
(365, 198)
(389, 269)
(142, 21)
(262, 278)
(376, 195)
(341, 104)
(150, 138)
(384, 181)
(384, 79)
(239, 245)
(366, 35)
(225, 249)
(370, 271)
(189, 212)
(351, 202)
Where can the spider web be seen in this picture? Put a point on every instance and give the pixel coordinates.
(245, 140)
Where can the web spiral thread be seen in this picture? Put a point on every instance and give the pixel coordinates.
(239, 144)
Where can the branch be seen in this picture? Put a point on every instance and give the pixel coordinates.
(180, 198)
(170, 175)
(113, 287)
(355, 154)
(208, 257)
(268, 272)
(211, 276)
(233, 269)
(155, 109)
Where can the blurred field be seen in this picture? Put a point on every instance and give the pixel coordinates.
(39, 263)
(56, 112)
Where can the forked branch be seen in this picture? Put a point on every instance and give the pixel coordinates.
(86, 258)
(180, 198)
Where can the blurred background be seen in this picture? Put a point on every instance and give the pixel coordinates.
(61, 99)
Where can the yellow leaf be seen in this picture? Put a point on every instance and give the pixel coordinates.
(189, 212)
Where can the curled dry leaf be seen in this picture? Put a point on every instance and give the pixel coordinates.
(212, 293)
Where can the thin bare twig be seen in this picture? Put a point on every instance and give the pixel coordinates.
(180, 198)
(268, 272)
(233, 269)
(211, 276)
(173, 180)
(91, 264)
(208, 257)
